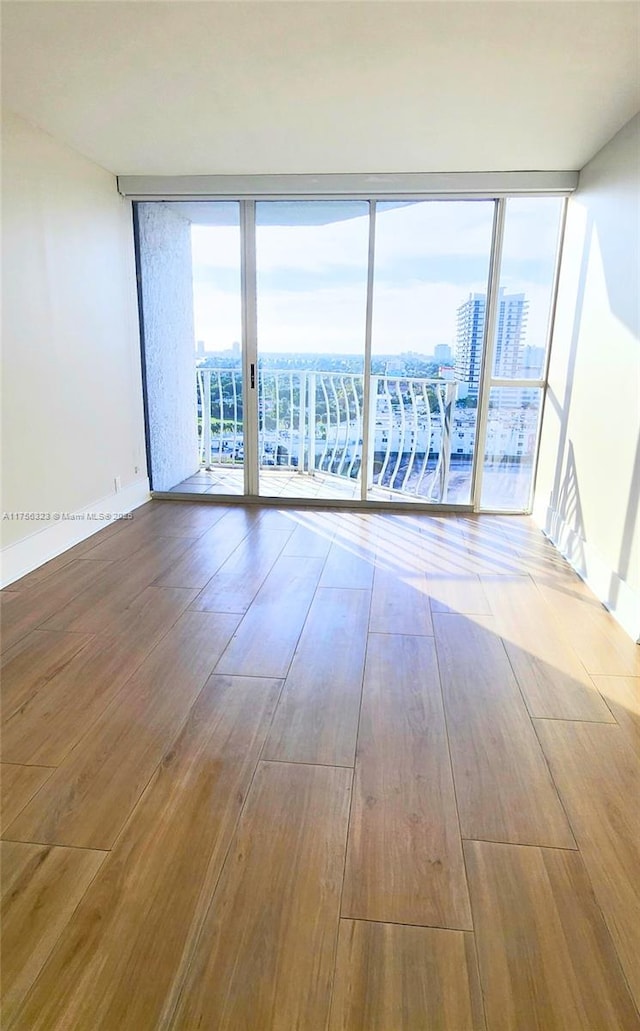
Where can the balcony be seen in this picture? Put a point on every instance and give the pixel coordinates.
(310, 436)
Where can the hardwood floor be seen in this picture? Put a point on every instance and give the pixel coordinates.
(266, 952)
(597, 774)
(304, 770)
(503, 786)
(91, 793)
(41, 887)
(317, 719)
(397, 976)
(546, 959)
(404, 861)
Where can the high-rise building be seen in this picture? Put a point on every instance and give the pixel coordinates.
(469, 337)
(533, 359)
(511, 319)
(443, 354)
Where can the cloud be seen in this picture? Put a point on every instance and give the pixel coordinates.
(428, 257)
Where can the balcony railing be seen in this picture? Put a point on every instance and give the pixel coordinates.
(313, 422)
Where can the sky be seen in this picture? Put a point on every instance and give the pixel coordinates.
(311, 278)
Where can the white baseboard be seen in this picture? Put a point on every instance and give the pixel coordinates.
(615, 594)
(27, 554)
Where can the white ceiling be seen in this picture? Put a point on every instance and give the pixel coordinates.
(266, 87)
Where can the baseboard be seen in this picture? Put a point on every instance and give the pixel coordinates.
(22, 557)
(615, 594)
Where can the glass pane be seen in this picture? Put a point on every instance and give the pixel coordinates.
(217, 310)
(431, 269)
(311, 259)
(510, 452)
(526, 280)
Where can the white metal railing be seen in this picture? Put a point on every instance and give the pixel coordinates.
(313, 422)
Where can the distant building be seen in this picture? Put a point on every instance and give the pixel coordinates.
(235, 347)
(447, 372)
(533, 359)
(511, 321)
(443, 354)
(200, 348)
(394, 367)
(469, 339)
(512, 318)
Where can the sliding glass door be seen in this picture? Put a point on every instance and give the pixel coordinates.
(311, 289)
(429, 299)
(348, 349)
(217, 313)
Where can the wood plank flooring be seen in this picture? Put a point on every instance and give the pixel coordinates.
(91, 793)
(266, 951)
(554, 682)
(622, 695)
(28, 609)
(50, 721)
(546, 959)
(41, 886)
(304, 770)
(503, 786)
(317, 719)
(393, 976)
(18, 785)
(597, 773)
(266, 639)
(404, 861)
(117, 962)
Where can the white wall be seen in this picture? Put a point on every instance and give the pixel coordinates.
(169, 343)
(589, 472)
(72, 416)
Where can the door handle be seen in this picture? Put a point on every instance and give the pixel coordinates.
(253, 375)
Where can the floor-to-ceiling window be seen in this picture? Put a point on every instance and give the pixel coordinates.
(517, 351)
(311, 288)
(431, 274)
(217, 308)
(363, 350)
